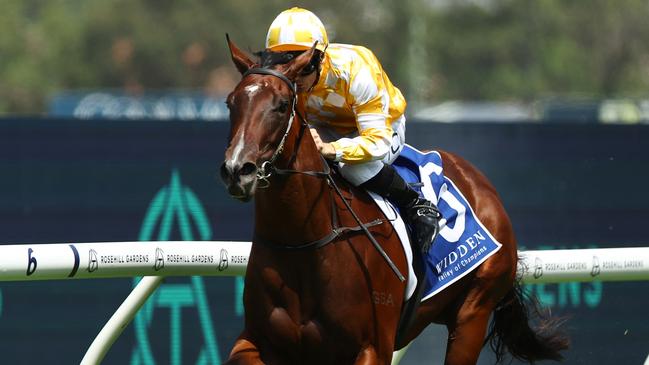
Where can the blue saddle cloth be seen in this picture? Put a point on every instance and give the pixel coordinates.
(463, 242)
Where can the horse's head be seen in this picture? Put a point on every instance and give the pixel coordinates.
(262, 107)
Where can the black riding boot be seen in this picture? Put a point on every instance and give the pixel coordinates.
(422, 214)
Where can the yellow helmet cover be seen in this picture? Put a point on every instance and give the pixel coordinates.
(296, 29)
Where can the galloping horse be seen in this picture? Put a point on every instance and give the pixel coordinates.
(316, 290)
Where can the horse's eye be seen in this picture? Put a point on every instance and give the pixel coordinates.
(282, 107)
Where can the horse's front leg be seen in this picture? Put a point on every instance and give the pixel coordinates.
(367, 356)
(244, 352)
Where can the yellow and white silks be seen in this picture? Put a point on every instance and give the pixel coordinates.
(355, 106)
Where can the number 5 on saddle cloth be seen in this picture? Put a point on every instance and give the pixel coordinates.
(463, 242)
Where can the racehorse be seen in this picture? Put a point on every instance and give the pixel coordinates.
(316, 291)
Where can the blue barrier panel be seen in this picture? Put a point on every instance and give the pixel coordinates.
(62, 180)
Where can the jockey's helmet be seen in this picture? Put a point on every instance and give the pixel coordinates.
(296, 29)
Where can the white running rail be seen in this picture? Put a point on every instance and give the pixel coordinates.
(155, 260)
(230, 258)
(122, 259)
(120, 319)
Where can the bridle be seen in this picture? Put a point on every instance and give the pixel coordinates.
(267, 168)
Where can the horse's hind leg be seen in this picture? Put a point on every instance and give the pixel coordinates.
(466, 335)
(244, 352)
(467, 324)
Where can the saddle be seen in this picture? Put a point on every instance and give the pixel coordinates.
(463, 242)
(416, 272)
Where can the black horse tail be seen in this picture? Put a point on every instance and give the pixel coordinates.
(511, 329)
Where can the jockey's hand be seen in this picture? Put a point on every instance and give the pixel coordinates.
(326, 149)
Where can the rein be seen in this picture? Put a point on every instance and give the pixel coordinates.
(267, 169)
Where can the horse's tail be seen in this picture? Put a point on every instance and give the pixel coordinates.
(511, 330)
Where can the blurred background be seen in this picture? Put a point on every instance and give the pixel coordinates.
(453, 60)
(112, 118)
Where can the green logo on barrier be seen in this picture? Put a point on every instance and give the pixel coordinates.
(175, 207)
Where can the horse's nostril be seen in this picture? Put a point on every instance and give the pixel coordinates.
(248, 168)
(226, 174)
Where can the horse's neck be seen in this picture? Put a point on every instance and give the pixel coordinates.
(295, 208)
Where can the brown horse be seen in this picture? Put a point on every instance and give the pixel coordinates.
(316, 293)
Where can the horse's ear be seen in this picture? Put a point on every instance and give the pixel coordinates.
(240, 59)
(296, 65)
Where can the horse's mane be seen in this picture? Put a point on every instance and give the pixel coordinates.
(269, 58)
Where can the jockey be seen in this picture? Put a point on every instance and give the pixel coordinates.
(355, 113)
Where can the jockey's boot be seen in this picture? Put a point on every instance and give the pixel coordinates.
(422, 215)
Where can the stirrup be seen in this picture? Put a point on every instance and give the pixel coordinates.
(425, 207)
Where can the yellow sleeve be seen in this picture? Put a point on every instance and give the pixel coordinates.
(371, 144)
(370, 101)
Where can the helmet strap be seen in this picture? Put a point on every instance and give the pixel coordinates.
(317, 78)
